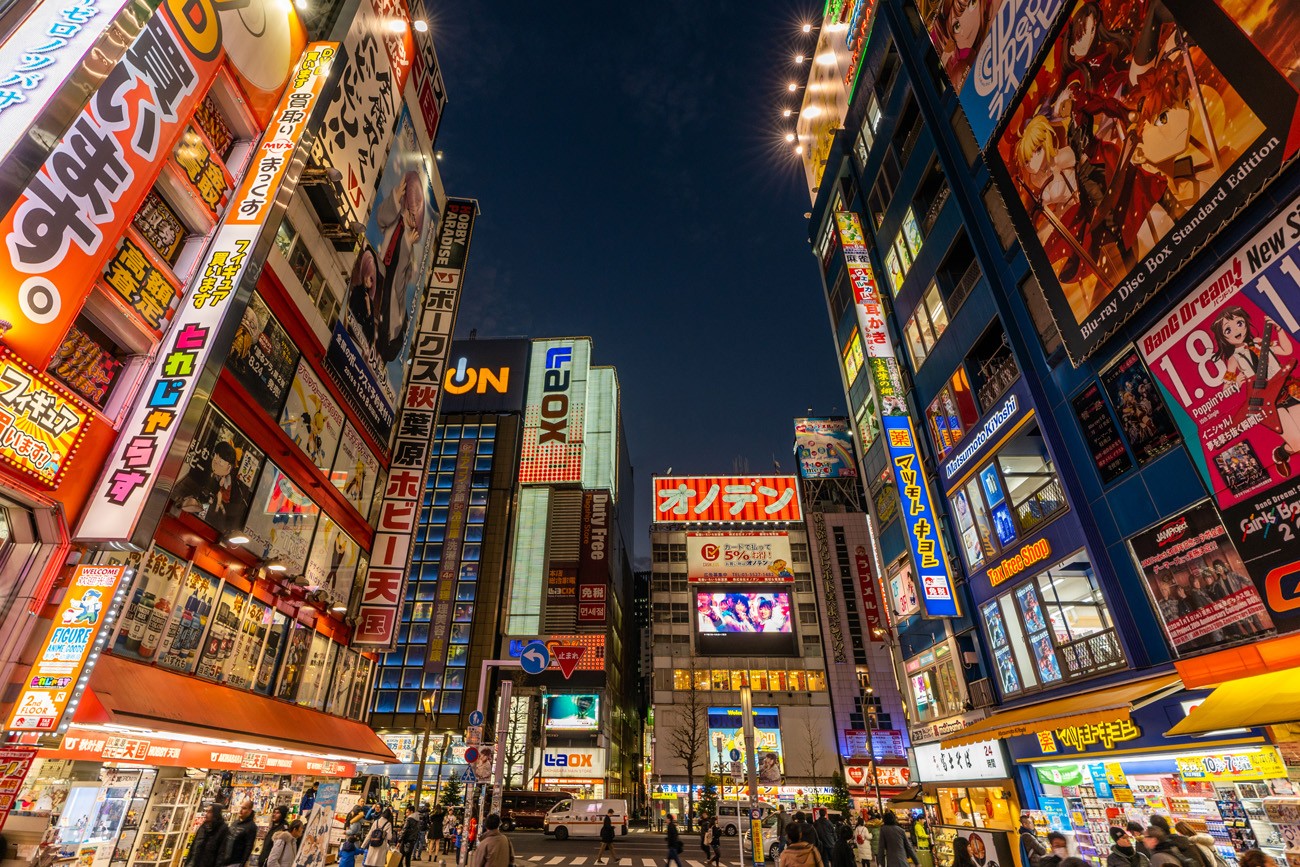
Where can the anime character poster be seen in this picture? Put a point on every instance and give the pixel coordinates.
(355, 470)
(985, 48)
(1226, 361)
(332, 565)
(1199, 583)
(311, 418)
(1145, 127)
(262, 357)
(1142, 414)
(216, 480)
(371, 343)
(282, 520)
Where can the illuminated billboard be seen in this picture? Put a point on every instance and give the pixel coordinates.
(824, 447)
(572, 713)
(729, 612)
(727, 729)
(555, 412)
(715, 499)
(752, 557)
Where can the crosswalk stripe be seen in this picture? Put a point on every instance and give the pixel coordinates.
(648, 862)
(577, 861)
(624, 862)
(535, 858)
(558, 859)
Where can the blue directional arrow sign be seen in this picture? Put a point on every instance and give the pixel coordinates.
(476, 718)
(535, 659)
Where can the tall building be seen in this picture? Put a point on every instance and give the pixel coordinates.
(1062, 359)
(733, 607)
(223, 356)
(521, 537)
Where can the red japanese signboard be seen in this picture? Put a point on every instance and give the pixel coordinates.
(867, 591)
(152, 749)
(714, 499)
(14, 762)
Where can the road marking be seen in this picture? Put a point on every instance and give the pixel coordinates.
(535, 858)
(648, 862)
(558, 859)
(576, 861)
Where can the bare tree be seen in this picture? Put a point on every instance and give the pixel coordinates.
(689, 739)
(816, 750)
(515, 742)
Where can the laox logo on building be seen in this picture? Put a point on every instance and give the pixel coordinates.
(555, 401)
(567, 760)
(462, 378)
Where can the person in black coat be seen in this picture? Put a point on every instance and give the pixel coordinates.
(210, 841)
(607, 838)
(673, 839)
(279, 822)
(825, 835)
(844, 854)
(243, 834)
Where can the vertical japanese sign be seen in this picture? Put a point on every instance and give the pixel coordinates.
(390, 558)
(986, 47)
(73, 636)
(376, 60)
(457, 511)
(879, 348)
(924, 538)
(1227, 361)
(426, 77)
(555, 412)
(149, 433)
(63, 228)
(593, 567)
(14, 763)
(1145, 128)
(867, 592)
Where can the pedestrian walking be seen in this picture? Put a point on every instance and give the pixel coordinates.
(1203, 842)
(435, 830)
(410, 837)
(806, 831)
(243, 836)
(714, 853)
(825, 835)
(209, 846)
(845, 852)
(450, 828)
(1124, 852)
(862, 842)
(800, 852)
(279, 821)
(607, 837)
(1060, 850)
(673, 841)
(895, 847)
(381, 837)
(494, 849)
(356, 822)
(1187, 851)
(1032, 849)
(284, 845)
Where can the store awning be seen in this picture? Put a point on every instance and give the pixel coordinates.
(1264, 699)
(1111, 703)
(127, 693)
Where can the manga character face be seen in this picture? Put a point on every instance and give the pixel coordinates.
(964, 22)
(1085, 33)
(1166, 135)
(1233, 329)
(220, 466)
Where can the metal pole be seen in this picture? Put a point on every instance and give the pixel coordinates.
(747, 713)
(442, 760)
(499, 759)
(424, 751)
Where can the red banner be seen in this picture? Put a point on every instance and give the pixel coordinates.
(723, 499)
(867, 591)
(94, 746)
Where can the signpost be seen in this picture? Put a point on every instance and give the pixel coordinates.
(567, 656)
(536, 658)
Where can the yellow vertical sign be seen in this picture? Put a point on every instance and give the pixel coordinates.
(756, 834)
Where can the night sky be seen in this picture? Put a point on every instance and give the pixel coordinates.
(636, 188)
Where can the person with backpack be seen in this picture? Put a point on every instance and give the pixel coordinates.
(1161, 848)
(382, 836)
(673, 840)
(895, 848)
(1187, 851)
(607, 838)
(1032, 849)
(825, 835)
(844, 854)
(862, 841)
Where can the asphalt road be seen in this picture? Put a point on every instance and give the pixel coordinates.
(639, 848)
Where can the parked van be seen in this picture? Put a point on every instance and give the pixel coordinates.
(578, 817)
(733, 816)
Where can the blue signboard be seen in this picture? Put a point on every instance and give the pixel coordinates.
(919, 525)
(535, 658)
(1098, 773)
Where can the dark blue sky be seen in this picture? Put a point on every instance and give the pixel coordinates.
(635, 187)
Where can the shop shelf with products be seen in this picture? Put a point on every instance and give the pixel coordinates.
(166, 823)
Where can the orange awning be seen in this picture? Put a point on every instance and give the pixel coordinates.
(1099, 705)
(144, 696)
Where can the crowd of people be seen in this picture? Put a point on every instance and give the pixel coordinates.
(1156, 845)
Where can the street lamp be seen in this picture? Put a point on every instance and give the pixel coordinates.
(426, 708)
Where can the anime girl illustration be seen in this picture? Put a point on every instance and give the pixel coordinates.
(1241, 349)
(958, 28)
(363, 285)
(1124, 128)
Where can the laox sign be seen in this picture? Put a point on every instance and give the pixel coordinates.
(567, 760)
(555, 401)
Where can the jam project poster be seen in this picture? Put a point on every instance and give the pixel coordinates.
(1144, 128)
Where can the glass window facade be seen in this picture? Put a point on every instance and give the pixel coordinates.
(402, 678)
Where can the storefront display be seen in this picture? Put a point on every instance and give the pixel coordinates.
(968, 792)
(168, 819)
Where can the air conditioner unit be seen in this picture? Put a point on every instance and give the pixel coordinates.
(981, 693)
